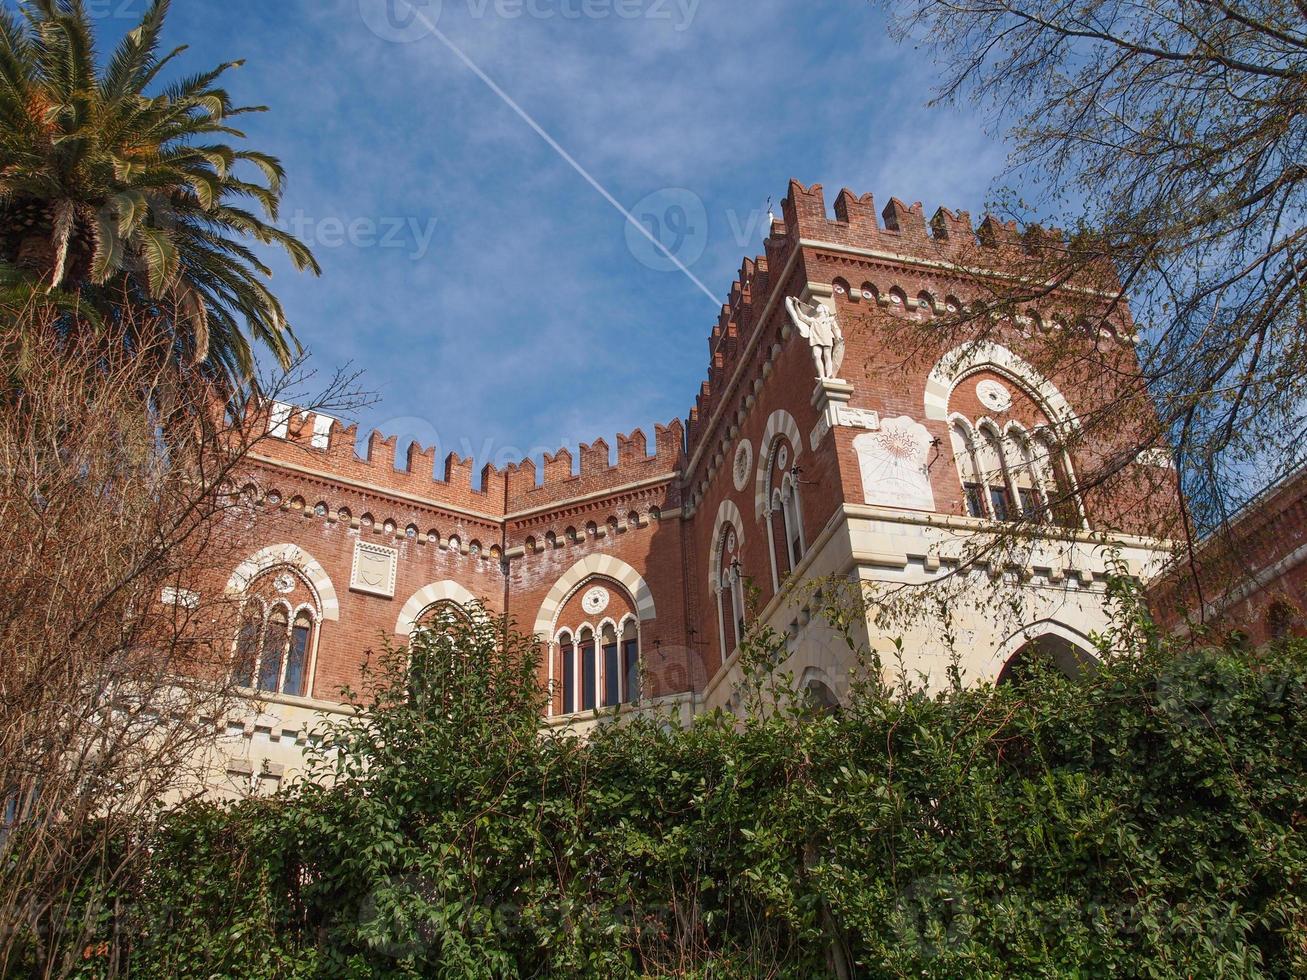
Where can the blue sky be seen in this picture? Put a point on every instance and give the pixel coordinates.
(491, 295)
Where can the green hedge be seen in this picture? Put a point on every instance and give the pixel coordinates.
(1147, 822)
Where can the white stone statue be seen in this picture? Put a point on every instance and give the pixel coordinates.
(817, 325)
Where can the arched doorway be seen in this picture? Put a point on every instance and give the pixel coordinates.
(1048, 650)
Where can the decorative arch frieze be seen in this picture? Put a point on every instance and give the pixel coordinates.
(443, 591)
(606, 566)
(969, 358)
(295, 556)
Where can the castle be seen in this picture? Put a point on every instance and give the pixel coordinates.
(812, 453)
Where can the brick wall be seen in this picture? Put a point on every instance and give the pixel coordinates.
(520, 529)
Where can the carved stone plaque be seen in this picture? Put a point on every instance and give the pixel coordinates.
(893, 464)
(374, 569)
(743, 465)
(859, 418)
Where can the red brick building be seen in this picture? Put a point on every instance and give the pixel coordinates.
(1250, 576)
(789, 468)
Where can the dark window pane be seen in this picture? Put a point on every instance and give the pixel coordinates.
(299, 653)
(1032, 509)
(247, 651)
(631, 669)
(998, 498)
(975, 499)
(569, 679)
(274, 644)
(612, 675)
(779, 534)
(589, 678)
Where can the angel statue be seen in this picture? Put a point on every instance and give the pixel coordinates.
(817, 325)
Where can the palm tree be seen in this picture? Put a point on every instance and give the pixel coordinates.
(125, 199)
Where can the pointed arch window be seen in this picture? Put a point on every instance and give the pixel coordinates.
(275, 639)
(730, 592)
(784, 512)
(1013, 476)
(568, 650)
(630, 662)
(612, 686)
(793, 520)
(589, 670)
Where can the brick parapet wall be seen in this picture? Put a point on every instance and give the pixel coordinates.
(1242, 570)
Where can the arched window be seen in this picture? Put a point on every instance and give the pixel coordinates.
(1015, 476)
(589, 670)
(993, 473)
(974, 495)
(276, 637)
(298, 659)
(784, 512)
(275, 640)
(1025, 476)
(630, 661)
(568, 650)
(793, 522)
(598, 666)
(612, 669)
(730, 592)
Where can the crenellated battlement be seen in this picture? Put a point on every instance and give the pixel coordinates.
(595, 473)
(946, 248)
(903, 230)
(298, 437)
(893, 244)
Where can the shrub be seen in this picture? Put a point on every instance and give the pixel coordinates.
(1148, 821)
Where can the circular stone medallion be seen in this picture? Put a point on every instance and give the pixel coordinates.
(595, 600)
(743, 464)
(994, 396)
(284, 583)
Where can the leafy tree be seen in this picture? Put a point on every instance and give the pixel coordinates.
(1168, 139)
(127, 191)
